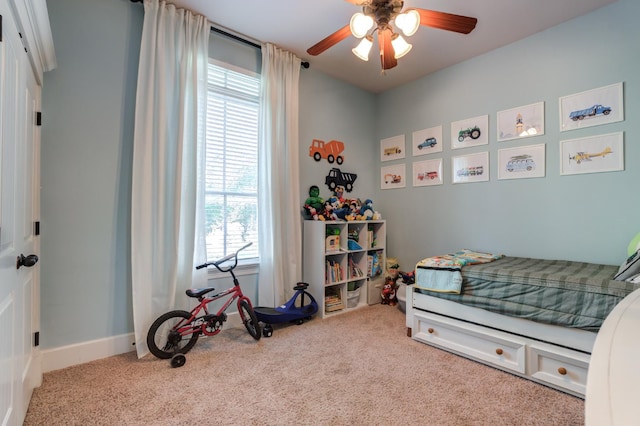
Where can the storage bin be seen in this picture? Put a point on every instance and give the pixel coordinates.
(353, 298)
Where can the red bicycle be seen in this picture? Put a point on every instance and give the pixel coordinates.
(174, 333)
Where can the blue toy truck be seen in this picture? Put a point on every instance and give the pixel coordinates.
(590, 112)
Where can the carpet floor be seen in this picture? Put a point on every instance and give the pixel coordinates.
(359, 368)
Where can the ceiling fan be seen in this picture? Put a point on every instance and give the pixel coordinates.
(378, 16)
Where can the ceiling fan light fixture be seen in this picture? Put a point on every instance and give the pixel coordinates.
(400, 46)
(408, 22)
(363, 48)
(360, 24)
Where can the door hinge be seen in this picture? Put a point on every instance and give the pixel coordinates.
(39, 118)
(36, 339)
(36, 228)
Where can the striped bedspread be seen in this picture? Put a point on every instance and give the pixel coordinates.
(559, 292)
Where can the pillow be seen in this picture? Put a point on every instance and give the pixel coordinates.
(629, 268)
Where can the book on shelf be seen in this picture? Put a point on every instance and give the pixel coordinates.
(334, 272)
(355, 271)
(332, 302)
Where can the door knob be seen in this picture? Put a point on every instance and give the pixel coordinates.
(27, 261)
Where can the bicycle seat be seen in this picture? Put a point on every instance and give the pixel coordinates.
(198, 292)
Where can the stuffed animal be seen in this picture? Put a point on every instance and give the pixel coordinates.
(366, 210)
(314, 205)
(389, 292)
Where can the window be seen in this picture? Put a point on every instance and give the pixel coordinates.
(231, 187)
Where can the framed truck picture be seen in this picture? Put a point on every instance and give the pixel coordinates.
(392, 148)
(592, 107)
(392, 177)
(427, 172)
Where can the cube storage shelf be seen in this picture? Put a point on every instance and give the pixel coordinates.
(341, 261)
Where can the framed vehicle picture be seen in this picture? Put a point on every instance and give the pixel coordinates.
(392, 148)
(428, 172)
(592, 108)
(470, 168)
(521, 162)
(521, 122)
(427, 141)
(594, 154)
(392, 177)
(470, 132)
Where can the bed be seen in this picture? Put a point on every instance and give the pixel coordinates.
(535, 318)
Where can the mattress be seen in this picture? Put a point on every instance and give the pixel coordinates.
(558, 292)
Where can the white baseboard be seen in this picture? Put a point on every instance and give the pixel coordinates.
(79, 353)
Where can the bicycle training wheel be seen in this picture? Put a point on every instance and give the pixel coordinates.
(250, 319)
(164, 341)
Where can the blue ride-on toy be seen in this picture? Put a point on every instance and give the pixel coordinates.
(290, 311)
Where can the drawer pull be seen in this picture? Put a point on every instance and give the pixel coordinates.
(499, 351)
(562, 371)
(430, 330)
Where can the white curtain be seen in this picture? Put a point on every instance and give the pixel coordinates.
(279, 183)
(168, 158)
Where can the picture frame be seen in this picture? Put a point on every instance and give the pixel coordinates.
(392, 177)
(427, 172)
(470, 132)
(392, 148)
(520, 122)
(427, 141)
(470, 168)
(592, 154)
(522, 162)
(592, 107)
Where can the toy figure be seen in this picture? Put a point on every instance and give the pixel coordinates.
(338, 209)
(408, 277)
(314, 205)
(366, 211)
(328, 212)
(339, 193)
(389, 292)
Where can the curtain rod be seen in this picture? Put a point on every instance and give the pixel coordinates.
(304, 64)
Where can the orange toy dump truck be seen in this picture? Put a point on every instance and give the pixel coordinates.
(330, 150)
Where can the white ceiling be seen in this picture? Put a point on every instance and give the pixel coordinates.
(296, 25)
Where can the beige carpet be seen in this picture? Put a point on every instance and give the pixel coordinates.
(358, 368)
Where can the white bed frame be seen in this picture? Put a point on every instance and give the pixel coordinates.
(555, 356)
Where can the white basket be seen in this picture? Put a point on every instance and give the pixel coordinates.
(353, 298)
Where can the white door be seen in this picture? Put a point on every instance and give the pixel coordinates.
(19, 203)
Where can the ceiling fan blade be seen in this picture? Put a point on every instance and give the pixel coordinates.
(329, 41)
(447, 21)
(387, 54)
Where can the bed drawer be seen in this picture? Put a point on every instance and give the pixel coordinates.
(489, 346)
(567, 370)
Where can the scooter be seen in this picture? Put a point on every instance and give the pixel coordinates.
(288, 312)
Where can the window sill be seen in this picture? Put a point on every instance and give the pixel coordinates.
(240, 270)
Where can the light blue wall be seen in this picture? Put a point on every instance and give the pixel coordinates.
(331, 109)
(88, 106)
(588, 217)
(88, 110)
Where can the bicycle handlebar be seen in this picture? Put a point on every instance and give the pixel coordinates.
(220, 261)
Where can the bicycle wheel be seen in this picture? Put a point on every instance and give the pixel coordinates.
(164, 341)
(249, 319)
